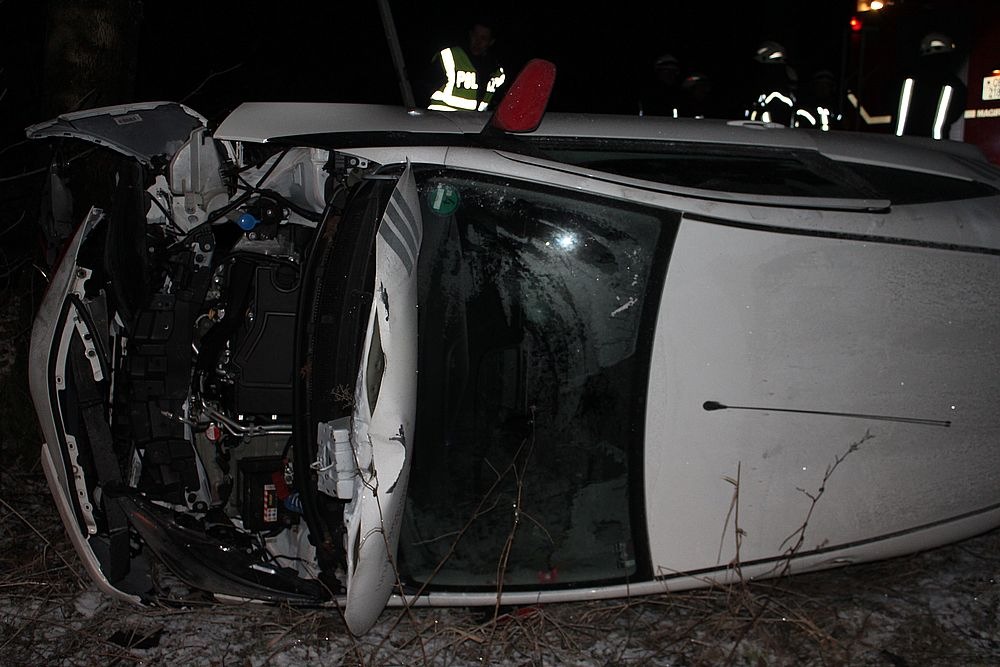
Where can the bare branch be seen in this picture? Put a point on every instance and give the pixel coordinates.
(208, 78)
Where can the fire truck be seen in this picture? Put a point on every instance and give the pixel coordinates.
(882, 43)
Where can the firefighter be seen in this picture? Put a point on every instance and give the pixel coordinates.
(661, 96)
(932, 97)
(698, 97)
(817, 103)
(467, 78)
(774, 100)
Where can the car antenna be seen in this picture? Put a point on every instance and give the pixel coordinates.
(715, 405)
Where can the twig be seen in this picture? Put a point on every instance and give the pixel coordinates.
(208, 78)
(814, 498)
(275, 644)
(33, 172)
(46, 540)
(22, 142)
(518, 499)
(83, 100)
(746, 598)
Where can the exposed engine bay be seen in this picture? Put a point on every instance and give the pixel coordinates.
(180, 372)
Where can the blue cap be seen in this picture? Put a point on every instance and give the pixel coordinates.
(247, 222)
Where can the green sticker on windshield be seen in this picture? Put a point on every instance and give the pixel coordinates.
(443, 199)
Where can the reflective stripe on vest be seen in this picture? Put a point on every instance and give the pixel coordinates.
(764, 100)
(821, 119)
(459, 91)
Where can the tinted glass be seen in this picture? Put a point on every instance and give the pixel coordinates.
(910, 187)
(535, 311)
(763, 171)
(747, 170)
(758, 175)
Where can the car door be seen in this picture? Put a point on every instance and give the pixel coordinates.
(384, 411)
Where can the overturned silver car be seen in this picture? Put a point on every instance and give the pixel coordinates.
(347, 355)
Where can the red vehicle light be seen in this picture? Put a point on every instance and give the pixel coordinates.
(523, 106)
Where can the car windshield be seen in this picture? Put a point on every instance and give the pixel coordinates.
(535, 313)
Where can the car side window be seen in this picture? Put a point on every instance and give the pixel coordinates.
(533, 365)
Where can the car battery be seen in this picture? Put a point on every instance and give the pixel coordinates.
(260, 481)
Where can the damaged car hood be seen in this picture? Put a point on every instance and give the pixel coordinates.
(142, 131)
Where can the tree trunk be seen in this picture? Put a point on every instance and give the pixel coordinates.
(91, 51)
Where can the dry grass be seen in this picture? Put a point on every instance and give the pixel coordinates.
(940, 607)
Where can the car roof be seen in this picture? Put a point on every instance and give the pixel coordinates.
(270, 121)
(321, 124)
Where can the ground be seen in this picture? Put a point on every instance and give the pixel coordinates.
(938, 607)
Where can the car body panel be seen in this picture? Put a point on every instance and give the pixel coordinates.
(141, 130)
(876, 335)
(50, 339)
(822, 373)
(267, 121)
(383, 428)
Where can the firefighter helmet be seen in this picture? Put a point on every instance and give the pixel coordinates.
(666, 60)
(770, 52)
(936, 42)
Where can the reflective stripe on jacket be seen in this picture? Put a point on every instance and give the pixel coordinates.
(922, 122)
(461, 89)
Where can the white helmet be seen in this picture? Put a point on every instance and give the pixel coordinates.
(936, 42)
(770, 52)
(666, 60)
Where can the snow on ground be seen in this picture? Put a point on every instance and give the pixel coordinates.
(939, 607)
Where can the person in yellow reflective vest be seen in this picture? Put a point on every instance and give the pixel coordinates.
(468, 78)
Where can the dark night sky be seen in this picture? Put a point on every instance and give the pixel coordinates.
(335, 53)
